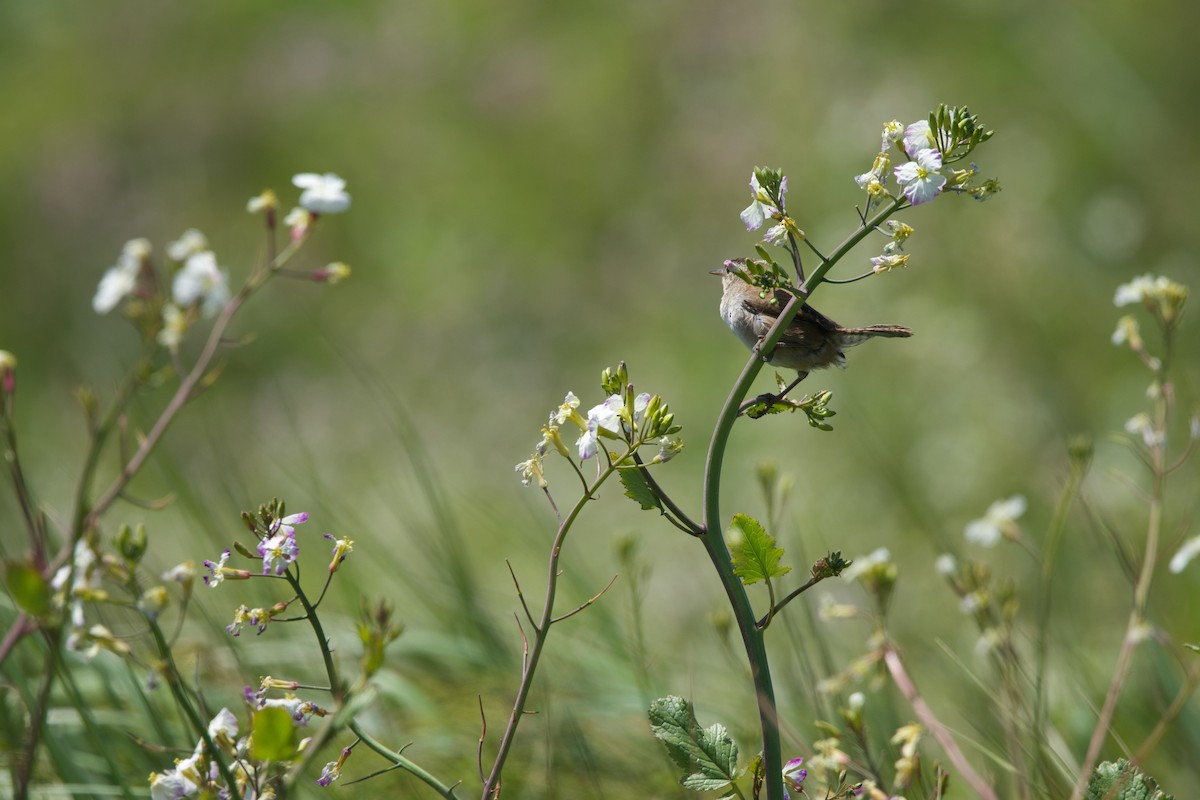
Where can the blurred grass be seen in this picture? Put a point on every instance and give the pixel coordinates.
(538, 193)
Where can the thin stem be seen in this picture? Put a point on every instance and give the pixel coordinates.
(1141, 591)
(37, 716)
(404, 763)
(175, 681)
(541, 631)
(777, 607)
(685, 521)
(934, 725)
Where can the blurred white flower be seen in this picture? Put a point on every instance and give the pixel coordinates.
(323, 194)
(946, 565)
(121, 279)
(1000, 517)
(201, 281)
(864, 563)
(191, 242)
(1140, 425)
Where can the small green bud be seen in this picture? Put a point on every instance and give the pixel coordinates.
(131, 544)
(244, 551)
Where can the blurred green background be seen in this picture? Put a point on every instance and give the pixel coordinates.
(539, 190)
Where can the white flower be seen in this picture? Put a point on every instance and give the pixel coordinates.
(120, 280)
(263, 202)
(892, 131)
(918, 137)
(566, 410)
(946, 565)
(1140, 425)
(864, 563)
(759, 209)
(856, 701)
(921, 179)
(1186, 553)
(191, 242)
(170, 785)
(1001, 516)
(886, 263)
(201, 280)
(1136, 291)
(323, 194)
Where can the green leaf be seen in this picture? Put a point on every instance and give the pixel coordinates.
(272, 738)
(638, 489)
(755, 556)
(708, 756)
(29, 589)
(1119, 780)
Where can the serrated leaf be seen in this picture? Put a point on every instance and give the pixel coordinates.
(1120, 780)
(708, 756)
(755, 556)
(28, 588)
(638, 489)
(272, 738)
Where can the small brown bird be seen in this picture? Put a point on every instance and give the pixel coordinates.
(811, 342)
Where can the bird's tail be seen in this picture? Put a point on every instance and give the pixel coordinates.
(853, 336)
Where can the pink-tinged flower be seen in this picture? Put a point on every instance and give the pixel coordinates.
(918, 137)
(323, 194)
(278, 552)
(287, 525)
(921, 179)
(301, 711)
(219, 572)
(794, 776)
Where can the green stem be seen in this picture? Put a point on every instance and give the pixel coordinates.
(399, 760)
(714, 539)
(175, 681)
(491, 786)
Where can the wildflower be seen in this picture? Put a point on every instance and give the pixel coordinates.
(1140, 425)
(299, 221)
(322, 194)
(120, 280)
(333, 770)
(267, 201)
(153, 600)
(761, 206)
(892, 133)
(531, 470)
(793, 777)
(1127, 331)
(300, 710)
(946, 565)
(603, 416)
(341, 548)
(278, 552)
(877, 174)
(171, 785)
(332, 273)
(864, 563)
(218, 572)
(191, 242)
(184, 573)
(287, 524)
(917, 137)
(999, 519)
(223, 729)
(201, 281)
(921, 179)
(887, 263)
(1158, 294)
(668, 448)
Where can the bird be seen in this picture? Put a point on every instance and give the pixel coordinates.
(811, 341)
